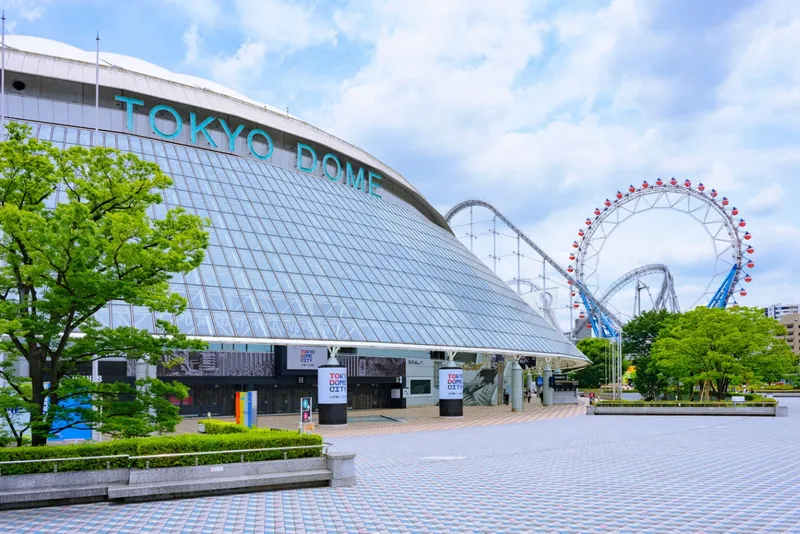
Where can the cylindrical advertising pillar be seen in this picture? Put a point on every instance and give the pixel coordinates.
(547, 390)
(332, 393)
(451, 391)
(516, 387)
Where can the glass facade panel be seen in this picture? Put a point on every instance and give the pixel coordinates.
(294, 256)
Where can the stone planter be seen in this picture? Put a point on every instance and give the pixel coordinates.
(684, 410)
(44, 489)
(27, 491)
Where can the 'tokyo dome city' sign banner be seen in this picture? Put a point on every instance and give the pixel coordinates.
(451, 383)
(332, 385)
(345, 173)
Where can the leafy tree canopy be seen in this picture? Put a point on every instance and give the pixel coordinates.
(597, 350)
(723, 347)
(638, 336)
(60, 263)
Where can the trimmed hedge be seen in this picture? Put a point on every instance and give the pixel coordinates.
(779, 387)
(686, 404)
(255, 439)
(747, 397)
(109, 448)
(215, 426)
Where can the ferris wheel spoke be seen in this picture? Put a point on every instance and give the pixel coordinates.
(719, 223)
(698, 205)
(699, 208)
(674, 204)
(707, 213)
(715, 218)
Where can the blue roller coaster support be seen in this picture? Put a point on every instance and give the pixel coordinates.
(720, 298)
(601, 325)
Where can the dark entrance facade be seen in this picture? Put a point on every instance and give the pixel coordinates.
(214, 377)
(207, 395)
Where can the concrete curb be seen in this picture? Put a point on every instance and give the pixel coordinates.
(336, 470)
(769, 411)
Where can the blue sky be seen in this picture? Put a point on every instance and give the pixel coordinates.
(543, 110)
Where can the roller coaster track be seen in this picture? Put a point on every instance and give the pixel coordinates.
(546, 298)
(587, 295)
(665, 300)
(706, 210)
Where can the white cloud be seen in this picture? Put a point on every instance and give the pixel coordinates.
(766, 199)
(545, 115)
(246, 63)
(449, 64)
(546, 133)
(265, 27)
(191, 39)
(283, 25)
(29, 10)
(205, 12)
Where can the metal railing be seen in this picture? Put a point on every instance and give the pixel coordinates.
(324, 446)
(242, 452)
(55, 467)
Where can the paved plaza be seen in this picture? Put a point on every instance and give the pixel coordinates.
(569, 474)
(417, 419)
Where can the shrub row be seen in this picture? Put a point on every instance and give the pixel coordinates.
(215, 426)
(748, 397)
(684, 403)
(110, 448)
(255, 439)
(779, 387)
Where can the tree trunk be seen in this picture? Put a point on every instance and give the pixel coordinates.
(39, 426)
(722, 389)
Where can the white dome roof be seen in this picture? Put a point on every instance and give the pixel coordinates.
(48, 47)
(56, 60)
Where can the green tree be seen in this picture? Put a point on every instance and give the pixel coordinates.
(597, 350)
(723, 347)
(638, 336)
(61, 263)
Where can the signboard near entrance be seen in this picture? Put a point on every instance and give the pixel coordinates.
(246, 407)
(451, 383)
(332, 385)
(305, 410)
(305, 358)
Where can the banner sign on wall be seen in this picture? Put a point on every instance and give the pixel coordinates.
(77, 432)
(305, 358)
(451, 383)
(332, 385)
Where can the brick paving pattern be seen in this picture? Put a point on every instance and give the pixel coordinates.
(563, 475)
(418, 419)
